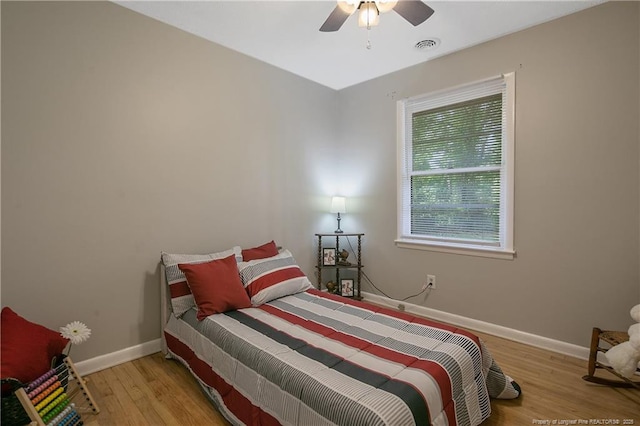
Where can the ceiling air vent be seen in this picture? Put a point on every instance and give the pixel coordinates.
(427, 44)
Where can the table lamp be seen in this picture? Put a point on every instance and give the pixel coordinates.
(338, 206)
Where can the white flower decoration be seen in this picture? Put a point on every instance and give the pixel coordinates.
(76, 332)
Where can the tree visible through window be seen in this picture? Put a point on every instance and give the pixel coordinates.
(456, 167)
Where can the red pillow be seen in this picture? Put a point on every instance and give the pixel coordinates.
(27, 348)
(261, 252)
(216, 286)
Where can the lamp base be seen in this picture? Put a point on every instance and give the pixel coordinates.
(338, 231)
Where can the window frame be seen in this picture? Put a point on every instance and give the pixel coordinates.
(504, 249)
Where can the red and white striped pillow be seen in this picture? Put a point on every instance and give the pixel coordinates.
(181, 298)
(273, 277)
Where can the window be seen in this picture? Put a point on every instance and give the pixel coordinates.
(455, 169)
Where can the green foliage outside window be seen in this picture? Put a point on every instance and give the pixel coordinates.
(455, 178)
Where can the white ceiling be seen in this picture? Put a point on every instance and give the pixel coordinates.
(285, 33)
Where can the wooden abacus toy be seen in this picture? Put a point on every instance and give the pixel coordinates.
(48, 399)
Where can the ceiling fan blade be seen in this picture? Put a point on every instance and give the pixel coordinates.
(335, 20)
(414, 11)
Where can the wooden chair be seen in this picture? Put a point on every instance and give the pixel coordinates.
(610, 339)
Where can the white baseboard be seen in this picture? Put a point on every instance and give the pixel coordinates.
(129, 354)
(114, 358)
(484, 327)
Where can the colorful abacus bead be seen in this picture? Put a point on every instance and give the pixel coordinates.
(42, 395)
(42, 387)
(51, 420)
(37, 382)
(58, 413)
(48, 399)
(71, 419)
(59, 400)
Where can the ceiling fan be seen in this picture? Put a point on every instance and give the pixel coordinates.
(414, 11)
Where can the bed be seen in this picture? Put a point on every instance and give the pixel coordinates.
(306, 357)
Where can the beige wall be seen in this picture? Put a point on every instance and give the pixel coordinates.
(123, 137)
(576, 179)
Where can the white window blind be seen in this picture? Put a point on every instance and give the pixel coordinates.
(456, 166)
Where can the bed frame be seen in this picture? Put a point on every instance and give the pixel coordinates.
(502, 386)
(165, 309)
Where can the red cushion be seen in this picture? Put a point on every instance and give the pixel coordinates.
(216, 286)
(27, 348)
(261, 252)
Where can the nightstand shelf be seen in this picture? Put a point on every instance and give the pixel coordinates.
(329, 263)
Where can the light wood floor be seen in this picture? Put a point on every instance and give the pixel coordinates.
(156, 391)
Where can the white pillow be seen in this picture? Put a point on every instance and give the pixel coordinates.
(181, 298)
(272, 278)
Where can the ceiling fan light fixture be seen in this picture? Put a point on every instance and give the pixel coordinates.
(413, 11)
(348, 6)
(386, 5)
(368, 16)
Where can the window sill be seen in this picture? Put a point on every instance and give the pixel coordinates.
(466, 250)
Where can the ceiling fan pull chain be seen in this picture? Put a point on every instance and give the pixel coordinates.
(368, 38)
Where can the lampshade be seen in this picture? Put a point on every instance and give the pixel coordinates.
(348, 6)
(386, 5)
(338, 205)
(368, 16)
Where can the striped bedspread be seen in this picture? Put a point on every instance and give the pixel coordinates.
(315, 359)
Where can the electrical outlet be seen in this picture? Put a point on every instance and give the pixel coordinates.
(431, 281)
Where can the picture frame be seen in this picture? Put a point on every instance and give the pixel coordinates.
(328, 257)
(346, 287)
